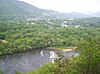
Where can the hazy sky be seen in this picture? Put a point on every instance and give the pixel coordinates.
(85, 6)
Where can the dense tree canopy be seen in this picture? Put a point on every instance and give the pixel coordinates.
(22, 35)
(87, 62)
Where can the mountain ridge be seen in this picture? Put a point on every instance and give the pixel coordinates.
(15, 9)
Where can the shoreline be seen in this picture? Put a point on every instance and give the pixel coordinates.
(68, 50)
(46, 48)
(64, 50)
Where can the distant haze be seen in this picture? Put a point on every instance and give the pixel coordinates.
(82, 6)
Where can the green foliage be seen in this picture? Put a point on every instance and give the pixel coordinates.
(22, 36)
(89, 59)
(87, 62)
(18, 34)
(2, 36)
(1, 72)
(16, 10)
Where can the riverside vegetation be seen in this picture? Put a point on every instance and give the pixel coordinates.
(87, 62)
(22, 35)
(25, 27)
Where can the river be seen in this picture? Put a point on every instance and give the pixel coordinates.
(27, 61)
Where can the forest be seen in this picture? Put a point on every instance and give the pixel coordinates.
(87, 62)
(28, 33)
(22, 36)
(84, 34)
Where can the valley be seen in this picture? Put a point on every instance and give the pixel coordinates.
(25, 32)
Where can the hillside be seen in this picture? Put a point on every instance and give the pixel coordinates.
(10, 9)
(14, 9)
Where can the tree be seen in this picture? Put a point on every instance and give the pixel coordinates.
(89, 58)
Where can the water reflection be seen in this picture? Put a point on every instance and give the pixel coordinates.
(27, 61)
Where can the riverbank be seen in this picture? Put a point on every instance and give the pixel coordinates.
(46, 48)
(27, 61)
(68, 50)
(64, 50)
